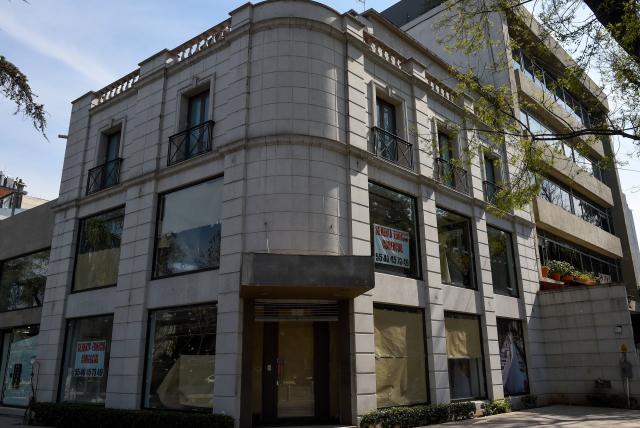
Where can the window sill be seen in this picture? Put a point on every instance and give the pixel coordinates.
(84, 290)
(452, 284)
(173, 275)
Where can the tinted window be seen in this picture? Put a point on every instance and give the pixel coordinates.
(456, 251)
(23, 280)
(502, 262)
(513, 362)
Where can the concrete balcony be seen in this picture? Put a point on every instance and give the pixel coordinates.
(562, 223)
(550, 111)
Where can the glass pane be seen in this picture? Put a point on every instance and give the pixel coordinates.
(464, 351)
(295, 369)
(99, 250)
(22, 281)
(393, 231)
(456, 255)
(87, 360)
(198, 109)
(181, 360)
(400, 359)
(113, 147)
(386, 116)
(17, 378)
(189, 229)
(515, 380)
(502, 262)
(444, 147)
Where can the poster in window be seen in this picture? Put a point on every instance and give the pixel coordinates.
(391, 246)
(89, 361)
(512, 358)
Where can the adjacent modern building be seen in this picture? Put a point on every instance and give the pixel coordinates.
(13, 197)
(268, 221)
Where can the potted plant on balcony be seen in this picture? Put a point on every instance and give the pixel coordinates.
(560, 270)
(545, 271)
(585, 278)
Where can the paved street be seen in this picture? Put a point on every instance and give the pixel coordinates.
(558, 416)
(7, 421)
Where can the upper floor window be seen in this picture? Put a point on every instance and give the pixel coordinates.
(107, 173)
(394, 234)
(503, 269)
(386, 142)
(386, 116)
(188, 232)
(456, 249)
(492, 177)
(446, 171)
(22, 281)
(195, 139)
(98, 254)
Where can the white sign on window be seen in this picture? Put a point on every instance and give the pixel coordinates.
(391, 246)
(89, 361)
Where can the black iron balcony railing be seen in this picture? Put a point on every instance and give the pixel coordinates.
(190, 142)
(451, 175)
(104, 176)
(491, 190)
(390, 147)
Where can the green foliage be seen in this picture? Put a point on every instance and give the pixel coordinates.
(60, 415)
(529, 401)
(14, 86)
(407, 417)
(496, 407)
(563, 268)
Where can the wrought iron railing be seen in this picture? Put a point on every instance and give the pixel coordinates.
(390, 147)
(491, 190)
(191, 142)
(451, 175)
(104, 176)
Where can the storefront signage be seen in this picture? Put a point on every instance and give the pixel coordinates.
(89, 361)
(391, 246)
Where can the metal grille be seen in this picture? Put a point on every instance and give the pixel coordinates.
(296, 310)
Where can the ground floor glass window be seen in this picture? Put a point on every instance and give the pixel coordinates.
(86, 364)
(515, 379)
(21, 355)
(400, 356)
(181, 359)
(464, 352)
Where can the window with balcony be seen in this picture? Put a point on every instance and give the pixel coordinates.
(551, 247)
(576, 204)
(456, 249)
(188, 231)
(98, 250)
(401, 375)
(446, 170)
(503, 266)
(181, 358)
(394, 236)
(465, 360)
(107, 174)
(196, 138)
(23, 280)
(491, 178)
(386, 143)
(513, 361)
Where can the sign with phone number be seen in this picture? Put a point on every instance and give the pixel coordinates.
(391, 246)
(90, 356)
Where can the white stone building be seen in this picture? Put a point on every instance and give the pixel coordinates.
(265, 221)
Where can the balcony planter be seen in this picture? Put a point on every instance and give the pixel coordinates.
(545, 271)
(556, 276)
(567, 279)
(549, 284)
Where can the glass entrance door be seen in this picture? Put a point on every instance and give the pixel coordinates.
(295, 364)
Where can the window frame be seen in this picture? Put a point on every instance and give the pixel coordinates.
(2, 263)
(412, 309)
(419, 274)
(147, 349)
(514, 268)
(154, 276)
(472, 242)
(77, 249)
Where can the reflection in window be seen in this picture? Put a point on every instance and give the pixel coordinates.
(23, 344)
(464, 352)
(86, 364)
(99, 250)
(502, 262)
(22, 281)
(456, 254)
(188, 237)
(393, 231)
(513, 362)
(400, 358)
(181, 360)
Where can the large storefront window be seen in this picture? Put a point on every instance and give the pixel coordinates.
(513, 362)
(86, 364)
(22, 281)
(464, 351)
(181, 359)
(188, 237)
(456, 251)
(393, 231)
(400, 357)
(502, 262)
(99, 250)
(21, 355)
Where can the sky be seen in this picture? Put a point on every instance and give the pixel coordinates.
(70, 47)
